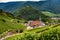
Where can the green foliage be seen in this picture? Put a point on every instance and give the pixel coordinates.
(1, 10)
(51, 14)
(6, 14)
(8, 23)
(48, 33)
(29, 13)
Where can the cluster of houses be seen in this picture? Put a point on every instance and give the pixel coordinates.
(37, 23)
(34, 24)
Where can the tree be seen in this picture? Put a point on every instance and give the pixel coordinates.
(1, 10)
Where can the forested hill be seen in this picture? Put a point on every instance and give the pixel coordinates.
(49, 5)
(5, 14)
(29, 13)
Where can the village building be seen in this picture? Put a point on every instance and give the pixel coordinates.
(35, 24)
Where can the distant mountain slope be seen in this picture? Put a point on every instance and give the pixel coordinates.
(49, 5)
(10, 6)
(50, 14)
(5, 15)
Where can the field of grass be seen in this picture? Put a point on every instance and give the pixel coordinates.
(46, 33)
(7, 23)
(50, 14)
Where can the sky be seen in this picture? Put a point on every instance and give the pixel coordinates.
(18, 0)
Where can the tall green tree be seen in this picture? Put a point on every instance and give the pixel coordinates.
(1, 10)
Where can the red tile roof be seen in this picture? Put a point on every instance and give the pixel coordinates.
(35, 23)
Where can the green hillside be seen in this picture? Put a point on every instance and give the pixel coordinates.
(8, 22)
(16, 24)
(29, 13)
(50, 13)
(46, 33)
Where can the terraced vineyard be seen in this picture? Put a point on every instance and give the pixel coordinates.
(7, 23)
(45, 33)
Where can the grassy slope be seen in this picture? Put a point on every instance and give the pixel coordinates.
(7, 23)
(50, 14)
(38, 34)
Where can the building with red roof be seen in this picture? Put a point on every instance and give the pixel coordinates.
(35, 24)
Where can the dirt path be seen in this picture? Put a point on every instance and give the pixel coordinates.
(9, 36)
